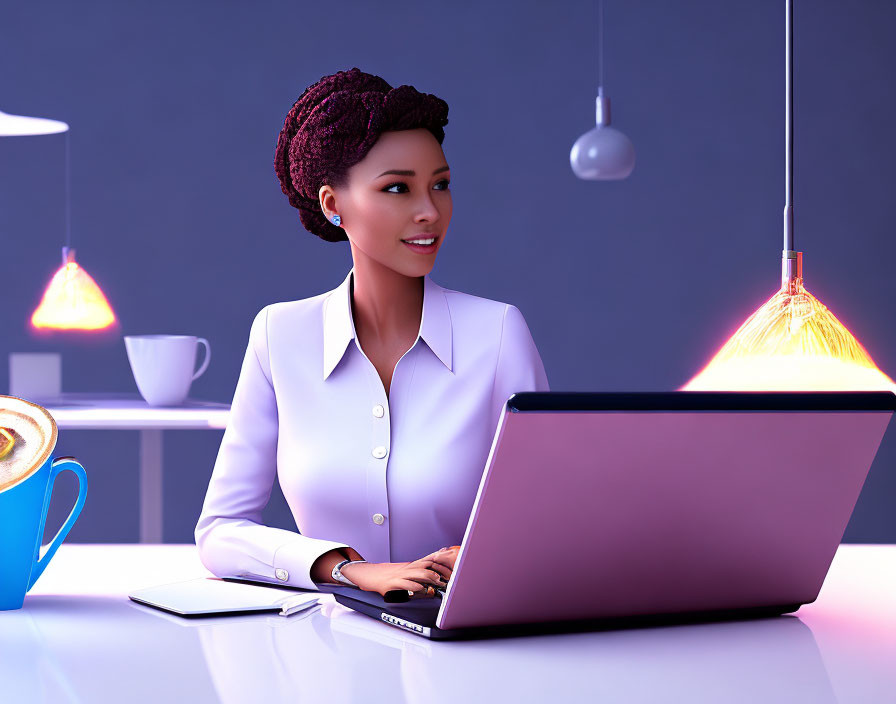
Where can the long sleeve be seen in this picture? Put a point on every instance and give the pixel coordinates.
(229, 534)
(519, 365)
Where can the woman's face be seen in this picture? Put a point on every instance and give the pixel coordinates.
(380, 210)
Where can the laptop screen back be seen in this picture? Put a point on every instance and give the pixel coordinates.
(731, 501)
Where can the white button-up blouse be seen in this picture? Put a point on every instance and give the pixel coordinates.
(392, 477)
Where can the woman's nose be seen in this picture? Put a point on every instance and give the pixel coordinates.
(426, 209)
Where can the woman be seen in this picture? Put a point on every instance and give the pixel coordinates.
(375, 403)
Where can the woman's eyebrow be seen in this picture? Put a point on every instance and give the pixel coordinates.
(400, 172)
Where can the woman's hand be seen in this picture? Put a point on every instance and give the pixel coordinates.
(446, 557)
(420, 576)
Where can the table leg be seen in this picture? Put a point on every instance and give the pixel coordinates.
(151, 486)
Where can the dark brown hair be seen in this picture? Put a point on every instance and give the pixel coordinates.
(333, 125)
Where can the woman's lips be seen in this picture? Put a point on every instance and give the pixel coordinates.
(422, 249)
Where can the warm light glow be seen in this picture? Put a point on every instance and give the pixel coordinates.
(73, 301)
(793, 342)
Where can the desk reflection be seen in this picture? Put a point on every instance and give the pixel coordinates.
(100, 648)
(344, 656)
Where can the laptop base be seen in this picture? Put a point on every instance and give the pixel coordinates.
(419, 617)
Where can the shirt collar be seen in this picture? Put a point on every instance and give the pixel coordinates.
(339, 328)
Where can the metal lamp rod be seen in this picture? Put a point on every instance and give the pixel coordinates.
(788, 195)
(791, 261)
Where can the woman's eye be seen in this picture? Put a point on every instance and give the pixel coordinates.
(388, 189)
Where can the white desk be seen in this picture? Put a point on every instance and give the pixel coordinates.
(78, 638)
(82, 411)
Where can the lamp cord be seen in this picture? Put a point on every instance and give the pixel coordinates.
(600, 46)
(788, 133)
(68, 189)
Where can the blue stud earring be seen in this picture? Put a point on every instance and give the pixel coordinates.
(337, 220)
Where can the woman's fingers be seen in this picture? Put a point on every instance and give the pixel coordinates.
(408, 584)
(441, 561)
(447, 558)
(444, 560)
(439, 568)
(442, 570)
(425, 577)
(444, 554)
(442, 573)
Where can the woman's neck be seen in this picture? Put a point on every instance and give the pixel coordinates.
(386, 305)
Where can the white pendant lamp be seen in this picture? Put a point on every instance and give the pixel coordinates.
(21, 126)
(72, 300)
(603, 153)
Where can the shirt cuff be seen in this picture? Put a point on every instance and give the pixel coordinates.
(293, 560)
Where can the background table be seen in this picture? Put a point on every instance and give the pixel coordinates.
(78, 638)
(84, 411)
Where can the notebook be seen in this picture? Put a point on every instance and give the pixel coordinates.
(208, 596)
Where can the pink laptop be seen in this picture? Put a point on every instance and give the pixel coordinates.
(606, 509)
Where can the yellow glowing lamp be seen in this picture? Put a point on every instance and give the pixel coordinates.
(792, 342)
(73, 300)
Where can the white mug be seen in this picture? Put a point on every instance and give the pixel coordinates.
(163, 366)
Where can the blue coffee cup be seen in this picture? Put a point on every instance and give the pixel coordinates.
(23, 515)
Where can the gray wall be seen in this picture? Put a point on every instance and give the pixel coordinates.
(176, 211)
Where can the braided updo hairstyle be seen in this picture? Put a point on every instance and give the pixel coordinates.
(333, 125)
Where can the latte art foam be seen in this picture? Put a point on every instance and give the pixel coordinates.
(34, 433)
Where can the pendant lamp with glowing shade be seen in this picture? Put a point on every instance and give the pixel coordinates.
(603, 153)
(72, 300)
(793, 342)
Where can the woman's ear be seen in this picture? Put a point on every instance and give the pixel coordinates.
(327, 198)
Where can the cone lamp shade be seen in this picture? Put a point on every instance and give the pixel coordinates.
(73, 301)
(793, 342)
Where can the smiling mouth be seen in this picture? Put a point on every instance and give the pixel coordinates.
(422, 241)
(424, 246)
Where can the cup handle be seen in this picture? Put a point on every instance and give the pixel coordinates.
(59, 465)
(208, 357)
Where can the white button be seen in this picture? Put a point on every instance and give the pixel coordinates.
(282, 575)
(379, 452)
(378, 411)
(378, 518)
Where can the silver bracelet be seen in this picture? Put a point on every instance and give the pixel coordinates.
(339, 577)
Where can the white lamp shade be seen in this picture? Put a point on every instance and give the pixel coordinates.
(602, 154)
(21, 126)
